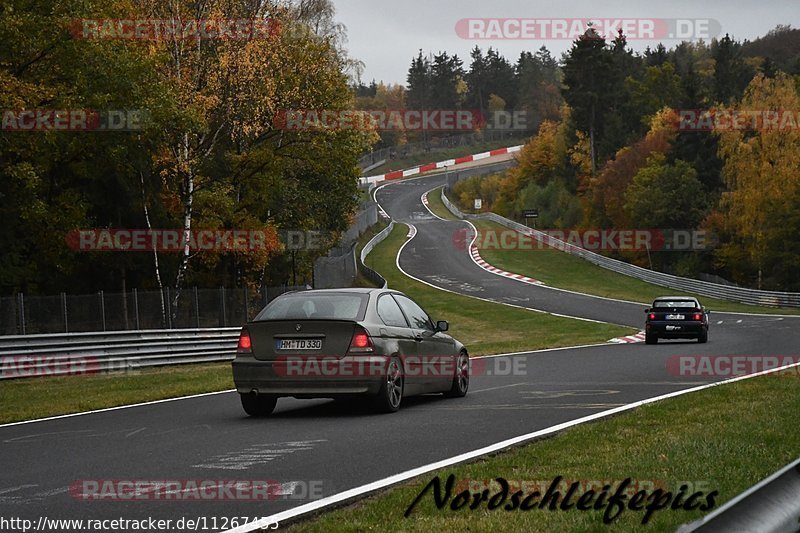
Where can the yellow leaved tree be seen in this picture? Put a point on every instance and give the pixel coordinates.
(762, 173)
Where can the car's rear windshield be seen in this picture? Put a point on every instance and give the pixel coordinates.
(675, 303)
(316, 306)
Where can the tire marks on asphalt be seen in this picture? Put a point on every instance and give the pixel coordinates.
(257, 455)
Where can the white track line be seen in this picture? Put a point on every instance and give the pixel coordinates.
(424, 199)
(450, 461)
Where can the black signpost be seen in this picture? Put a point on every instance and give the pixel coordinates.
(530, 213)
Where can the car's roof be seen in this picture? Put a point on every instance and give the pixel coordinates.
(677, 298)
(345, 290)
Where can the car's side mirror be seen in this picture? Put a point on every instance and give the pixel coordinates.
(442, 325)
(648, 310)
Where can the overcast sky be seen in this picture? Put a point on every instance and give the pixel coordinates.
(386, 34)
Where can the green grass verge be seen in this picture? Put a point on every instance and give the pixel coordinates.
(487, 327)
(24, 399)
(701, 438)
(441, 155)
(562, 270)
(436, 205)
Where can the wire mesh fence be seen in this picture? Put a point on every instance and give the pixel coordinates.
(23, 314)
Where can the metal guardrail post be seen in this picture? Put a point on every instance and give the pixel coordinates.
(64, 311)
(169, 309)
(21, 311)
(136, 306)
(222, 307)
(196, 308)
(102, 308)
(246, 311)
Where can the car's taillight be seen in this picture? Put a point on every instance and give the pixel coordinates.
(245, 345)
(698, 316)
(361, 342)
(652, 316)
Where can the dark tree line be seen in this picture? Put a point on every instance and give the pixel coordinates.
(491, 83)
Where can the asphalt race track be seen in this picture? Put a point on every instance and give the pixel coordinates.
(325, 447)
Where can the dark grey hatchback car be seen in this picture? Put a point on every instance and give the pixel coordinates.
(346, 343)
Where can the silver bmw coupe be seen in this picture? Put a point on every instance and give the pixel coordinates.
(346, 343)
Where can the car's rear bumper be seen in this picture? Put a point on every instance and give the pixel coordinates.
(676, 329)
(307, 378)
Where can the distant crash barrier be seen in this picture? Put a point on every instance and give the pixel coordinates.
(703, 288)
(369, 273)
(62, 354)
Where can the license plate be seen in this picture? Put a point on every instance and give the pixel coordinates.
(298, 344)
(676, 317)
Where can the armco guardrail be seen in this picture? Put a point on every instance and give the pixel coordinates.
(81, 353)
(373, 242)
(771, 506)
(703, 288)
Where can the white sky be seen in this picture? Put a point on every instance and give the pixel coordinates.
(386, 34)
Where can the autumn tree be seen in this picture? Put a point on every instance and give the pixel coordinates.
(610, 186)
(761, 173)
